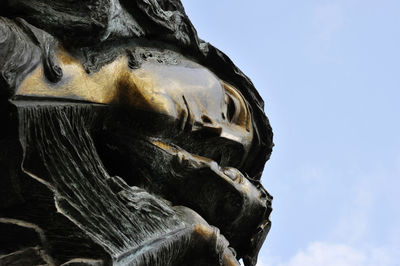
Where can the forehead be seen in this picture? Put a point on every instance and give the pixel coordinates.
(178, 79)
(171, 66)
(150, 68)
(158, 67)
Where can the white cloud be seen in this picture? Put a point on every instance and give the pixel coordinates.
(326, 254)
(322, 254)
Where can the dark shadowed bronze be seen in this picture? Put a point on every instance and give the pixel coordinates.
(126, 140)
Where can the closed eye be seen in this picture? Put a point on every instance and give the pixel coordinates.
(237, 110)
(232, 108)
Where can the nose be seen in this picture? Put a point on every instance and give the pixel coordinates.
(207, 126)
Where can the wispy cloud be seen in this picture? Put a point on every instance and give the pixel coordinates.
(326, 254)
(354, 225)
(328, 19)
(323, 254)
(360, 236)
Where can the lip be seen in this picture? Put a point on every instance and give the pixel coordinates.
(222, 196)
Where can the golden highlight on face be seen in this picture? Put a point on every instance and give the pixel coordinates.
(187, 91)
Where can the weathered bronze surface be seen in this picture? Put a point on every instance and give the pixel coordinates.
(185, 91)
(126, 140)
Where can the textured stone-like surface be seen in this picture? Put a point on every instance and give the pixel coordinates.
(86, 183)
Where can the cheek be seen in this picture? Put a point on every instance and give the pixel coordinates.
(139, 92)
(193, 94)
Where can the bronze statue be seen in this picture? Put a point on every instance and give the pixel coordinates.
(127, 140)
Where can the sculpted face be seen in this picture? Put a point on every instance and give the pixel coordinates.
(175, 129)
(192, 98)
(121, 146)
(195, 97)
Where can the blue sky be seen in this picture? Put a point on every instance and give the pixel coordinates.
(329, 73)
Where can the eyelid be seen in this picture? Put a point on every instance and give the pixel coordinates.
(233, 108)
(242, 112)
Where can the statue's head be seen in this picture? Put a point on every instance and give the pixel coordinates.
(172, 114)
